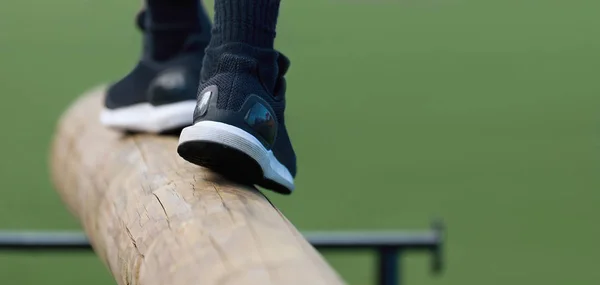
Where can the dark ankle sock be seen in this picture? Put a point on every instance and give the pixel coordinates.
(170, 23)
(251, 22)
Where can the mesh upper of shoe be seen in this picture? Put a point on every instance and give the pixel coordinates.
(240, 72)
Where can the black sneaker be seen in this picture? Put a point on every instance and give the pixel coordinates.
(156, 96)
(239, 128)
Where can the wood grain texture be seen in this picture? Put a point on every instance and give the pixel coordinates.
(155, 219)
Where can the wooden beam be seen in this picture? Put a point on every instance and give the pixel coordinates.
(155, 219)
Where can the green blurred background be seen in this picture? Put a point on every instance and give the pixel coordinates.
(485, 113)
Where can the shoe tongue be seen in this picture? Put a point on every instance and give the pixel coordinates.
(283, 63)
(140, 20)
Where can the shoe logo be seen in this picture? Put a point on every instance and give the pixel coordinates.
(263, 122)
(172, 80)
(203, 103)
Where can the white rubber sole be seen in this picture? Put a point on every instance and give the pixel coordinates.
(241, 140)
(144, 117)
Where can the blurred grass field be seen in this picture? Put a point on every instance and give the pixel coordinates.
(485, 113)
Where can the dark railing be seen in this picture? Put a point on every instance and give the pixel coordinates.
(389, 246)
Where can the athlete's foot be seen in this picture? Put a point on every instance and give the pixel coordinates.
(239, 128)
(156, 96)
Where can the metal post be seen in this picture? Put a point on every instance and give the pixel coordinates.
(389, 266)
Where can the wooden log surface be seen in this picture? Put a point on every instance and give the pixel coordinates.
(155, 219)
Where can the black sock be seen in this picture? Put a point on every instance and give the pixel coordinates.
(252, 22)
(170, 23)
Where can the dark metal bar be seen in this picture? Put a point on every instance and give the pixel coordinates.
(389, 245)
(57, 241)
(334, 240)
(426, 240)
(349, 240)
